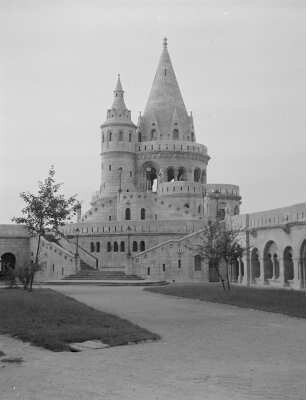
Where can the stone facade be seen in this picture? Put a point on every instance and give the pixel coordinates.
(154, 199)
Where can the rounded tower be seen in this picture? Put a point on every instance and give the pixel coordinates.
(118, 137)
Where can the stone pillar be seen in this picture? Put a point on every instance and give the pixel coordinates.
(297, 279)
(262, 270)
(281, 264)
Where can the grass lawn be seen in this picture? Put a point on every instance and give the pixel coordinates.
(282, 301)
(52, 320)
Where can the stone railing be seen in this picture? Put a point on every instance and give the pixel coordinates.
(168, 188)
(133, 227)
(280, 216)
(118, 146)
(172, 145)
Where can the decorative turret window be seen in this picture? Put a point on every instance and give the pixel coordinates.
(236, 210)
(109, 136)
(109, 246)
(203, 176)
(139, 136)
(122, 246)
(127, 214)
(115, 247)
(98, 247)
(130, 136)
(103, 138)
(92, 247)
(143, 213)
(142, 246)
(120, 138)
(153, 134)
(175, 134)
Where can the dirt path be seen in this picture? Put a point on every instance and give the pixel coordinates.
(208, 351)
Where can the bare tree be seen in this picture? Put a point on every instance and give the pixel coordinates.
(43, 213)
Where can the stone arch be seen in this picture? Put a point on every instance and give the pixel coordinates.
(271, 260)
(288, 264)
(197, 175)
(255, 264)
(149, 176)
(182, 174)
(8, 261)
(170, 174)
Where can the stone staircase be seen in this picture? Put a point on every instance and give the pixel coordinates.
(89, 275)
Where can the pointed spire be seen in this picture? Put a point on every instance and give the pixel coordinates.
(165, 96)
(118, 102)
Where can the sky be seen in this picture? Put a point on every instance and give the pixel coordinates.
(240, 65)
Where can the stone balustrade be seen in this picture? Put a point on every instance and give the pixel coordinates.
(171, 145)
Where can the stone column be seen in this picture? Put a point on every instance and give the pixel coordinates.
(262, 270)
(281, 264)
(297, 279)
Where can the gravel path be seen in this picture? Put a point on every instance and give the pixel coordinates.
(207, 352)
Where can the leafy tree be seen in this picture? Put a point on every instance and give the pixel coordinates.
(44, 213)
(219, 243)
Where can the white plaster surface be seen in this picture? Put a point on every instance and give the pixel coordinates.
(208, 351)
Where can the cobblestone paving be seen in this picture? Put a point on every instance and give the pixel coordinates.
(207, 352)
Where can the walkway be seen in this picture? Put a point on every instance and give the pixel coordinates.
(207, 352)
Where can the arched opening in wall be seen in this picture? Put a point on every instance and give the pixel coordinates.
(143, 213)
(110, 136)
(122, 246)
(170, 174)
(8, 263)
(109, 247)
(303, 264)
(181, 176)
(153, 134)
(139, 137)
(197, 175)
(236, 210)
(115, 247)
(212, 273)
(175, 134)
(197, 263)
(255, 264)
(235, 270)
(270, 260)
(92, 247)
(203, 176)
(150, 177)
(288, 264)
(134, 246)
(127, 214)
(142, 246)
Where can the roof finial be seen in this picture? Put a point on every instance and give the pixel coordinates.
(165, 42)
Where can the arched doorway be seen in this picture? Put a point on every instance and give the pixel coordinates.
(170, 174)
(303, 264)
(255, 264)
(149, 177)
(288, 264)
(8, 262)
(235, 270)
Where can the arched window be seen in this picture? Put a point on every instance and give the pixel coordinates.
(122, 246)
(139, 136)
(98, 247)
(153, 134)
(109, 246)
(199, 209)
(103, 138)
(127, 214)
(197, 263)
(135, 246)
(120, 136)
(170, 174)
(203, 176)
(197, 175)
(110, 136)
(143, 213)
(192, 136)
(142, 246)
(175, 135)
(109, 167)
(236, 210)
(115, 247)
(130, 136)
(92, 247)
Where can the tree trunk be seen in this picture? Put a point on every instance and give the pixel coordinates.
(30, 280)
(220, 276)
(227, 278)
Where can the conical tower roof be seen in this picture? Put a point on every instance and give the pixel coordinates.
(165, 97)
(118, 103)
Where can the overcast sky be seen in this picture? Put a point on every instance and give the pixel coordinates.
(240, 66)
